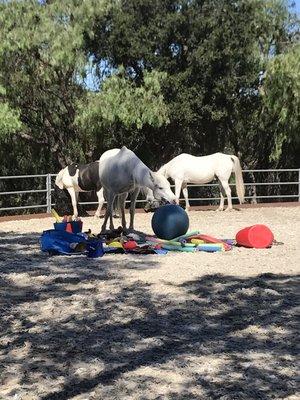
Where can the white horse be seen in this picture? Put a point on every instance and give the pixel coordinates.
(125, 173)
(186, 168)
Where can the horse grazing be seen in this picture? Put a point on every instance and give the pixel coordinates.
(77, 178)
(186, 168)
(125, 173)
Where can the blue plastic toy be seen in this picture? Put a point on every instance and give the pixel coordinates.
(169, 222)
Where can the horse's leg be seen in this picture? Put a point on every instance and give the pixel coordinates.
(178, 184)
(133, 198)
(122, 199)
(115, 207)
(186, 196)
(111, 215)
(222, 195)
(227, 189)
(100, 196)
(74, 198)
(108, 213)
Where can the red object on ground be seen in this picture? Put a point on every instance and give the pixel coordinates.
(257, 236)
(69, 227)
(130, 245)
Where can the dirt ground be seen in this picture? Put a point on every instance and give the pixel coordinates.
(143, 327)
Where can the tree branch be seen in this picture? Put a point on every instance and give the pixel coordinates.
(31, 139)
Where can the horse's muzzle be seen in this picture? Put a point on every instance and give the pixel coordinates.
(164, 201)
(171, 202)
(151, 206)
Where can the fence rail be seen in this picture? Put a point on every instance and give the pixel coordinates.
(48, 189)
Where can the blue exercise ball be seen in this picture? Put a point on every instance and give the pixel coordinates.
(169, 222)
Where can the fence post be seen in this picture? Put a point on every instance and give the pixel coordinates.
(48, 193)
(299, 184)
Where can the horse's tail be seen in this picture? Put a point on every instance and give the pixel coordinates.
(59, 179)
(239, 181)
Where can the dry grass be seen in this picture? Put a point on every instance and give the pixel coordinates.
(179, 326)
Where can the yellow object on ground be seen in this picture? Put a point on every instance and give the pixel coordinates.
(116, 244)
(55, 215)
(197, 241)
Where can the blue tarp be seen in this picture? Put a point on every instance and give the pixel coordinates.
(63, 242)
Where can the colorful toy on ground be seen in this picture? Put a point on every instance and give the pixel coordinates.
(192, 242)
(62, 241)
(255, 236)
(66, 223)
(170, 221)
(56, 216)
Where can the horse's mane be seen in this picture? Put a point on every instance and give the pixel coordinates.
(162, 170)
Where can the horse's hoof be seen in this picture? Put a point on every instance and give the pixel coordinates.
(219, 209)
(99, 216)
(228, 209)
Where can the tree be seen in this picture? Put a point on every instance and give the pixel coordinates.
(9, 118)
(180, 76)
(121, 103)
(281, 93)
(214, 53)
(42, 68)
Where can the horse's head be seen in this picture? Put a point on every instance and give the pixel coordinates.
(162, 189)
(151, 203)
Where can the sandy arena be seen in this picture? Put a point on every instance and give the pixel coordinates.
(143, 327)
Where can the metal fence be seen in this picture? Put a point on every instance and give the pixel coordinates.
(48, 188)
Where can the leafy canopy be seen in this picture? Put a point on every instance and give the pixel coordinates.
(281, 93)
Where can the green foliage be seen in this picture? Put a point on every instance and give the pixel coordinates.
(43, 60)
(40, 57)
(122, 102)
(9, 118)
(213, 53)
(281, 94)
(55, 29)
(182, 76)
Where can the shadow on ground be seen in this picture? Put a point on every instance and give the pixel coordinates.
(77, 327)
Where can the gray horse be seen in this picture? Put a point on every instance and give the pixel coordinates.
(125, 173)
